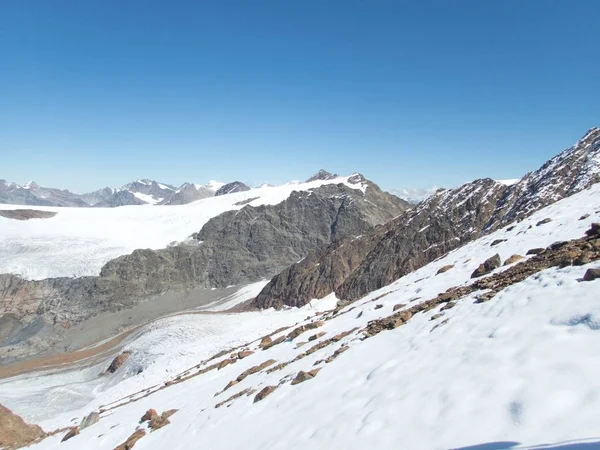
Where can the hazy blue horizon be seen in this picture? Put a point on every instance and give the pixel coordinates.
(411, 94)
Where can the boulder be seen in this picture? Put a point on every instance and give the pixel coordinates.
(14, 431)
(264, 392)
(591, 274)
(445, 269)
(488, 266)
(71, 434)
(118, 362)
(89, 420)
(535, 251)
(148, 415)
(131, 440)
(513, 259)
(543, 222)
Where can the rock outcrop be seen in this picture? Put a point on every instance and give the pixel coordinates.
(15, 432)
(230, 188)
(443, 222)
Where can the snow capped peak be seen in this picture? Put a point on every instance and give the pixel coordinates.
(215, 185)
(415, 195)
(509, 182)
(322, 174)
(31, 185)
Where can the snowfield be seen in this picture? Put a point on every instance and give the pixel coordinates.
(79, 241)
(520, 371)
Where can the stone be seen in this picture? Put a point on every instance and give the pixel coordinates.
(301, 377)
(585, 216)
(398, 306)
(244, 354)
(265, 342)
(118, 362)
(488, 266)
(535, 251)
(89, 420)
(378, 306)
(131, 440)
(445, 269)
(316, 336)
(543, 222)
(71, 434)
(264, 393)
(594, 230)
(226, 362)
(497, 241)
(591, 274)
(148, 415)
(513, 259)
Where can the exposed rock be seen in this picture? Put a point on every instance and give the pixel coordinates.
(316, 336)
(544, 221)
(131, 440)
(303, 376)
(158, 422)
(264, 392)
(535, 251)
(398, 306)
(322, 175)
(594, 230)
(226, 362)
(15, 432)
(89, 420)
(230, 188)
(497, 241)
(488, 266)
(378, 306)
(585, 216)
(513, 259)
(255, 369)
(118, 362)
(447, 220)
(26, 214)
(148, 415)
(445, 269)
(265, 342)
(244, 354)
(71, 434)
(591, 274)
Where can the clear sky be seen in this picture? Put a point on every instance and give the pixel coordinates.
(410, 93)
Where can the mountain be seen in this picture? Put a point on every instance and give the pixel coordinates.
(230, 188)
(443, 358)
(189, 192)
(255, 240)
(446, 221)
(33, 194)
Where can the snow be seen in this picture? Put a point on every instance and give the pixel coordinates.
(79, 241)
(509, 182)
(415, 195)
(215, 185)
(520, 369)
(162, 186)
(146, 198)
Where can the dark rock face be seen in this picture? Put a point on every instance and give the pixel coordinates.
(26, 214)
(230, 188)
(188, 193)
(591, 274)
(443, 222)
(322, 175)
(34, 194)
(487, 266)
(119, 198)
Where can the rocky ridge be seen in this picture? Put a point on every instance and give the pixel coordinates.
(443, 222)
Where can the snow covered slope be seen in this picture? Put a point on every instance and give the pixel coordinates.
(517, 371)
(79, 241)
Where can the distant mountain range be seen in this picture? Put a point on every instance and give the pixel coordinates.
(140, 192)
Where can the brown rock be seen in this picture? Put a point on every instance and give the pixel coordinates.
(445, 269)
(488, 265)
(14, 431)
(398, 306)
(255, 369)
(591, 274)
(378, 306)
(264, 392)
(231, 384)
(542, 222)
(497, 241)
(266, 341)
(131, 440)
(225, 363)
(513, 259)
(71, 434)
(317, 336)
(594, 230)
(118, 362)
(436, 316)
(244, 354)
(302, 377)
(148, 415)
(535, 251)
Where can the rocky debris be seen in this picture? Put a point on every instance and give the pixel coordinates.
(158, 422)
(535, 251)
(15, 432)
(118, 362)
(302, 328)
(316, 336)
(26, 214)
(247, 391)
(591, 274)
(513, 259)
(437, 325)
(445, 269)
(71, 434)
(436, 316)
(255, 369)
(230, 188)
(488, 266)
(304, 376)
(131, 440)
(245, 202)
(486, 296)
(585, 216)
(497, 241)
(398, 306)
(89, 420)
(277, 341)
(226, 362)
(335, 354)
(378, 306)
(543, 222)
(264, 392)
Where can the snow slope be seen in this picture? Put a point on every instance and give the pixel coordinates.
(518, 371)
(79, 241)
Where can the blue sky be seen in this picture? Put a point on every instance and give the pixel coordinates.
(410, 93)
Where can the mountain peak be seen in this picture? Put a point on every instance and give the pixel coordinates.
(322, 174)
